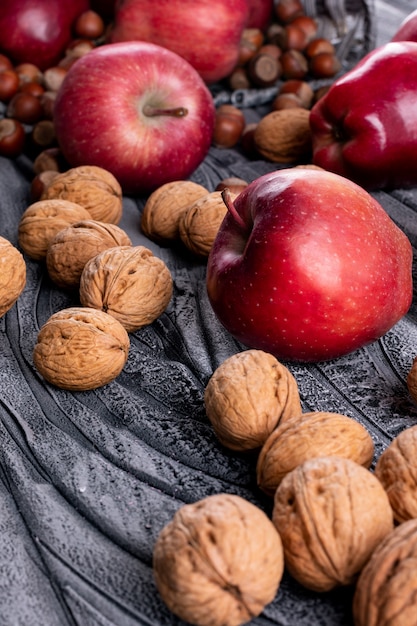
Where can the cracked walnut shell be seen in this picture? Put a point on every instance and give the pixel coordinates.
(307, 436)
(219, 561)
(386, 591)
(128, 282)
(12, 275)
(80, 348)
(42, 220)
(396, 468)
(164, 207)
(96, 189)
(72, 247)
(247, 396)
(200, 223)
(331, 513)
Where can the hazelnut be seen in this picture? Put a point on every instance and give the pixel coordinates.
(9, 84)
(264, 70)
(286, 101)
(229, 125)
(12, 138)
(300, 88)
(89, 25)
(5, 63)
(24, 107)
(287, 10)
(40, 182)
(318, 46)
(324, 65)
(294, 64)
(218, 561)
(53, 78)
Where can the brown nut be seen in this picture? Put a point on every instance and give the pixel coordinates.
(397, 470)
(129, 283)
(44, 219)
(12, 275)
(164, 207)
(294, 64)
(247, 396)
(324, 65)
(218, 561)
(96, 189)
(40, 182)
(200, 223)
(228, 127)
(308, 436)
(386, 591)
(12, 138)
(412, 380)
(300, 88)
(331, 513)
(284, 136)
(76, 244)
(80, 349)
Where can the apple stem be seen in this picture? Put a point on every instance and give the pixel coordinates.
(227, 199)
(151, 111)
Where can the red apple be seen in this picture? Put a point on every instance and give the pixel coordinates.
(260, 14)
(407, 30)
(37, 31)
(204, 32)
(138, 110)
(308, 266)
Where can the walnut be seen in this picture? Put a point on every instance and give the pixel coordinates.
(412, 380)
(307, 436)
(386, 591)
(12, 275)
(331, 513)
(396, 468)
(42, 220)
(80, 348)
(284, 136)
(200, 222)
(164, 207)
(129, 283)
(247, 396)
(219, 561)
(96, 189)
(76, 244)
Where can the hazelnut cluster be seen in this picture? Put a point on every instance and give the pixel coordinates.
(27, 94)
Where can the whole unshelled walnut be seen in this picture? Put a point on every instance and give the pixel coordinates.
(331, 513)
(72, 247)
(12, 275)
(247, 396)
(200, 223)
(96, 189)
(128, 282)
(219, 561)
(42, 220)
(397, 470)
(310, 435)
(80, 349)
(386, 591)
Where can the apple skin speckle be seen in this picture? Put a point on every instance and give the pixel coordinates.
(319, 271)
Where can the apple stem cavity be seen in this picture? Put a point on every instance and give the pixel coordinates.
(227, 199)
(151, 111)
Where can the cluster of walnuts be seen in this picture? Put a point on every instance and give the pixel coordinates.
(73, 228)
(334, 522)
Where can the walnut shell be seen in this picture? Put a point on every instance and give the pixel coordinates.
(73, 246)
(42, 220)
(129, 283)
(247, 396)
(331, 513)
(200, 223)
(397, 470)
(307, 436)
(219, 561)
(96, 189)
(412, 380)
(12, 275)
(80, 348)
(284, 136)
(164, 207)
(386, 591)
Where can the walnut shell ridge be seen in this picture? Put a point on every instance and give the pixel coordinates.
(331, 513)
(72, 247)
(129, 283)
(95, 188)
(219, 561)
(310, 435)
(247, 396)
(12, 275)
(386, 591)
(200, 223)
(80, 349)
(42, 220)
(397, 470)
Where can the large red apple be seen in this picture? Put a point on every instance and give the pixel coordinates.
(307, 265)
(206, 33)
(138, 110)
(37, 31)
